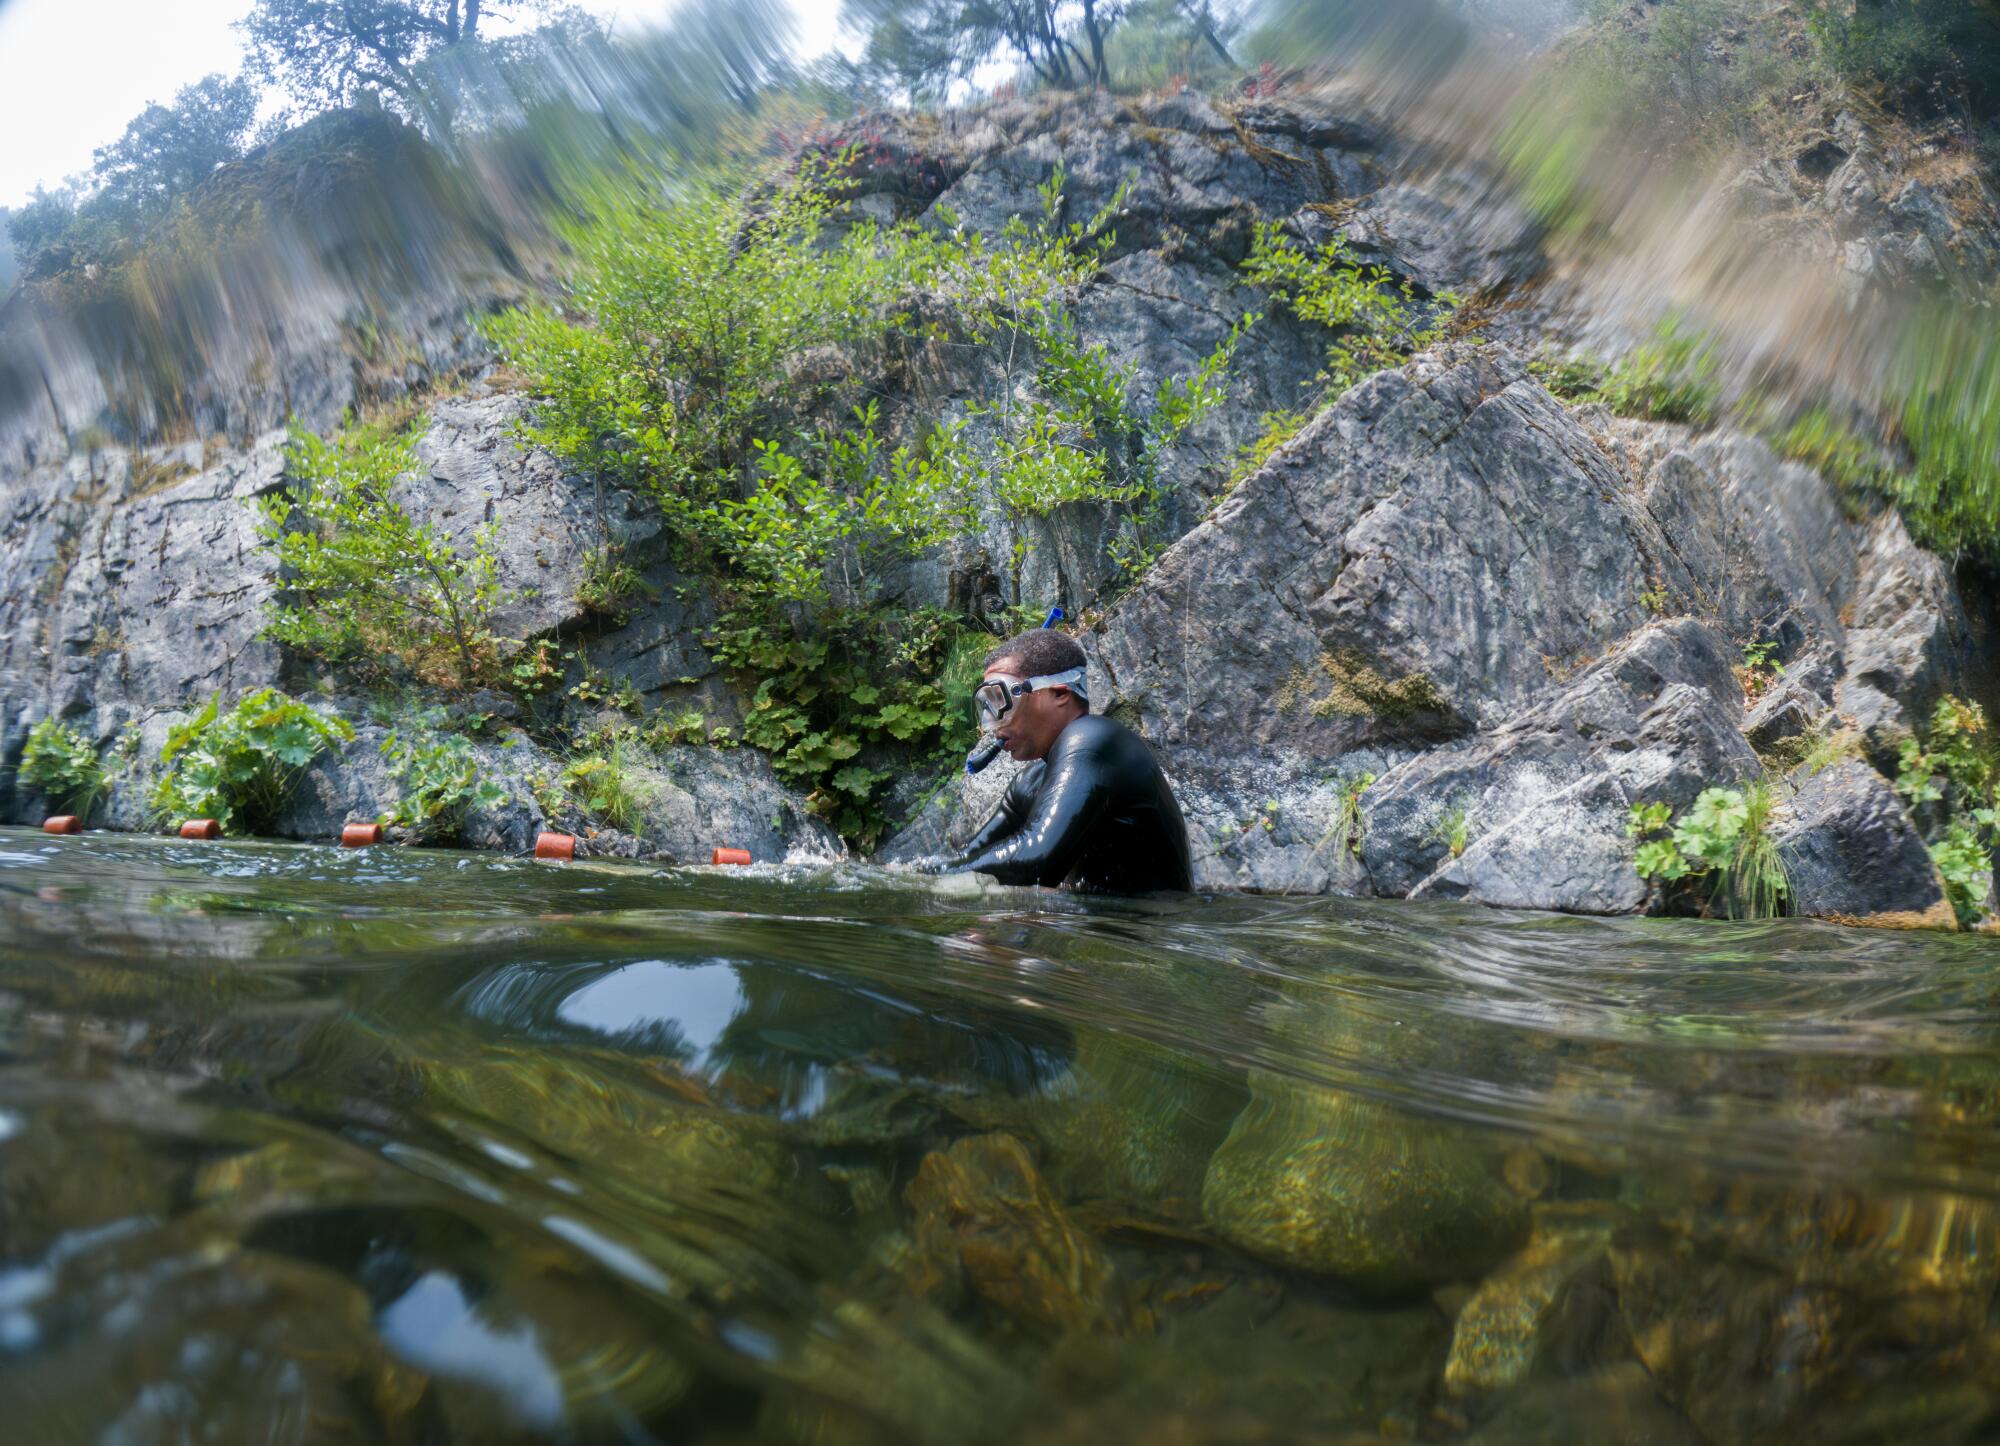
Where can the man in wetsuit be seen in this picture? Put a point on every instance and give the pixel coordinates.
(1092, 806)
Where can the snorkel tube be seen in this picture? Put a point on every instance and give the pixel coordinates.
(989, 748)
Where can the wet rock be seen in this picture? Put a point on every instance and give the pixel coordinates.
(1852, 854)
(1134, 1124)
(1522, 1312)
(1545, 797)
(1388, 1200)
(982, 1209)
(1906, 644)
(1382, 1200)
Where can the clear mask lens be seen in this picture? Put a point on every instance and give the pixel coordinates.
(994, 703)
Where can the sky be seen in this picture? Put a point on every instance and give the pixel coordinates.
(73, 72)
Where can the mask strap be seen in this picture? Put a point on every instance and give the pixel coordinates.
(1070, 678)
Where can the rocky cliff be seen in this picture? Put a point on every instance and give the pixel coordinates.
(1514, 618)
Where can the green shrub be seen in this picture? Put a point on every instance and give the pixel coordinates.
(1671, 378)
(1274, 430)
(439, 777)
(1453, 829)
(1726, 839)
(866, 683)
(1964, 859)
(666, 371)
(1906, 46)
(363, 581)
(1957, 768)
(602, 785)
(1377, 321)
(238, 767)
(63, 765)
(610, 584)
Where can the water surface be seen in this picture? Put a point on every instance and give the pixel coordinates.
(303, 1145)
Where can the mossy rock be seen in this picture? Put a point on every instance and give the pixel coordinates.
(1385, 1201)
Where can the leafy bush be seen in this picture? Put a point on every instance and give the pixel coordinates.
(439, 775)
(1453, 829)
(610, 584)
(601, 783)
(864, 684)
(1671, 378)
(365, 581)
(1378, 322)
(1964, 859)
(1724, 838)
(1949, 46)
(1957, 768)
(239, 766)
(666, 372)
(62, 764)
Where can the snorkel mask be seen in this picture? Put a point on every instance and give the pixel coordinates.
(996, 700)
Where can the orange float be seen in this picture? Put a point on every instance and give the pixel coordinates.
(555, 846)
(62, 823)
(201, 828)
(360, 835)
(730, 856)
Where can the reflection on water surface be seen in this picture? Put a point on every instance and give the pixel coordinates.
(298, 1144)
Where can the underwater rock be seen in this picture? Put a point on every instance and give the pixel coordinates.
(983, 1209)
(1508, 1324)
(1386, 1201)
(1770, 1313)
(1852, 854)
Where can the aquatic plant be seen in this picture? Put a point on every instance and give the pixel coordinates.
(238, 766)
(440, 778)
(363, 580)
(63, 764)
(1726, 839)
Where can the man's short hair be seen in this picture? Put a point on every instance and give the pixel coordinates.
(1037, 654)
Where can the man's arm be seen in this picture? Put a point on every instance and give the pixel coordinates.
(1006, 819)
(1045, 847)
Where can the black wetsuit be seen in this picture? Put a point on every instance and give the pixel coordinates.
(1097, 811)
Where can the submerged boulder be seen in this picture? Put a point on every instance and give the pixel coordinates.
(1386, 1199)
(984, 1212)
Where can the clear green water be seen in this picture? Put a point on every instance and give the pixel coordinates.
(300, 1145)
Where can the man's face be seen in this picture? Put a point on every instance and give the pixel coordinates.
(1036, 720)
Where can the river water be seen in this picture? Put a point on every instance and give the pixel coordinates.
(302, 1145)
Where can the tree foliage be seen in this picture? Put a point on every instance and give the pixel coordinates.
(324, 52)
(923, 46)
(168, 149)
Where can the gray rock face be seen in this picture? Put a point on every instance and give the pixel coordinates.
(1520, 620)
(1907, 641)
(471, 472)
(1378, 581)
(1852, 854)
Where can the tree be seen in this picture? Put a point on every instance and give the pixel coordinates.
(167, 150)
(324, 51)
(924, 45)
